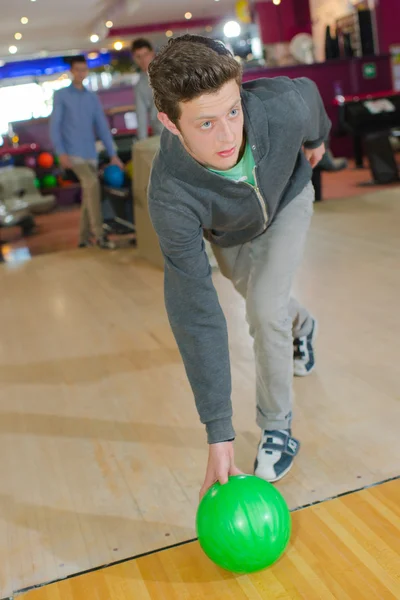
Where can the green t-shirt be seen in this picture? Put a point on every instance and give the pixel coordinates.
(243, 171)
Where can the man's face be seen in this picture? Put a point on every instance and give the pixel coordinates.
(211, 127)
(79, 72)
(143, 58)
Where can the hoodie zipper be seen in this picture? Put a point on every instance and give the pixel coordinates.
(259, 197)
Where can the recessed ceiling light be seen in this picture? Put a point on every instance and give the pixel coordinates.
(109, 24)
(276, 2)
(13, 49)
(18, 36)
(188, 15)
(169, 33)
(118, 45)
(94, 38)
(24, 20)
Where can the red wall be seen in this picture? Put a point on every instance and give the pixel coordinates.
(346, 75)
(388, 21)
(281, 23)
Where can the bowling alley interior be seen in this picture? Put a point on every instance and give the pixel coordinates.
(103, 452)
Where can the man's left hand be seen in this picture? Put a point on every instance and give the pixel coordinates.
(314, 155)
(116, 161)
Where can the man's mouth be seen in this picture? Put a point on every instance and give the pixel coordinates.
(227, 153)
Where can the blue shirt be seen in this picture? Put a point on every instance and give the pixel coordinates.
(77, 121)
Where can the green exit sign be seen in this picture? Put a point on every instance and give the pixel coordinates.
(369, 71)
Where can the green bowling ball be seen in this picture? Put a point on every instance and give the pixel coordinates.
(49, 181)
(243, 526)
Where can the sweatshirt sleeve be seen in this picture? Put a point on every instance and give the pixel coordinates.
(318, 124)
(102, 127)
(56, 125)
(141, 114)
(195, 315)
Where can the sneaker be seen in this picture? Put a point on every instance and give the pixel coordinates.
(86, 244)
(303, 352)
(275, 455)
(106, 244)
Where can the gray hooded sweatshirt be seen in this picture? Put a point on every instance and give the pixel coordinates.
(188, 202)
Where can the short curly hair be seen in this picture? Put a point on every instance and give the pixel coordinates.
(187, 67)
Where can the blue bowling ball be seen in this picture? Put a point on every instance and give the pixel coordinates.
(114, 176)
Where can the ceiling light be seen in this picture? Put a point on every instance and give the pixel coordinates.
(33, 0)
(209, 28)
(93, 55)
(169, 33)
(109, 24)
(18, 36)
(13, 49)
(188, 15)
(94, 38)
(118, 45)
(232, 29)
(24, 20)
(276, 2)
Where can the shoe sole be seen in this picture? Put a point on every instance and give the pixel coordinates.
(314, 336)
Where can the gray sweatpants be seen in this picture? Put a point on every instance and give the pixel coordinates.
(262, 271)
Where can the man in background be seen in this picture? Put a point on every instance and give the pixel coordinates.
(143, 53)
(77, 121)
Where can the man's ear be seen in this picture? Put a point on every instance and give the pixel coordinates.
(168, 124)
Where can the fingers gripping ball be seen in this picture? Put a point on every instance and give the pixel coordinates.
(114, 176)
(243, 526)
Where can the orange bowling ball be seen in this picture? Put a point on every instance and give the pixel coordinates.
(45, 160)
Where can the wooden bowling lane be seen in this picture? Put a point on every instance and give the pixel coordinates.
(347, 548)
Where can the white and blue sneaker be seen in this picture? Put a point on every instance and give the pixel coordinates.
(303, 352)
(275, 455)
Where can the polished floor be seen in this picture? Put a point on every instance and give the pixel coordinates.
(101, 451)
(343, 549)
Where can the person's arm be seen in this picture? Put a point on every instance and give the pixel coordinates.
(141, 114)
(195, 315)
(56, 125)
(56, 121)
(102, 128)
(318, 124)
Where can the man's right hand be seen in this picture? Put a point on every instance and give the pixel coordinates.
(221, 464)
(65, 161)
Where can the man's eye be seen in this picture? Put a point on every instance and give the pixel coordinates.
(234, 112)
(206, 125)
